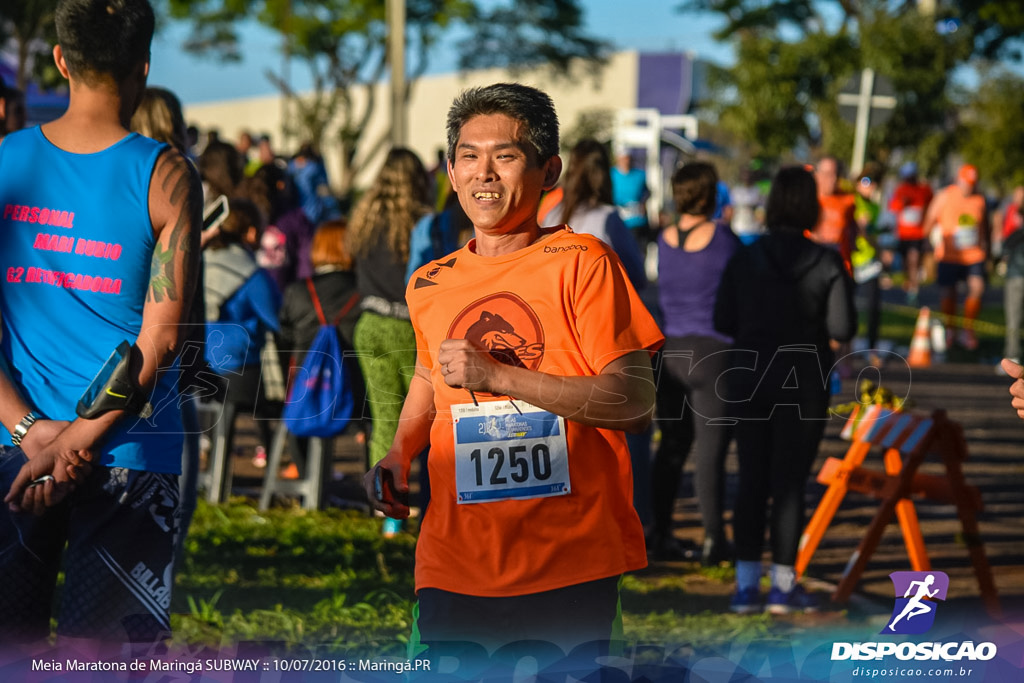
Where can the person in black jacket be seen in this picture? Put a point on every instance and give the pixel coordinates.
(783, 299)
(335, 285)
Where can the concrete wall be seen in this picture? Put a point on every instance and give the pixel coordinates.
(613, 87)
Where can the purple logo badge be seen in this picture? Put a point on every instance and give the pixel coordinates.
(916, 592)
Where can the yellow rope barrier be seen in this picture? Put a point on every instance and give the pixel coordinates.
(957, 320)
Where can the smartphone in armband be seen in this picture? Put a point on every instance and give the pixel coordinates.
(215, 213)
(114, 388)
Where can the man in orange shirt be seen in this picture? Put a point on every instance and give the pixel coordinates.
(533, 357)
(960, 216)
(837, 226)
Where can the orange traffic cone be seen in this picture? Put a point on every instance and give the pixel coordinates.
(920, 346)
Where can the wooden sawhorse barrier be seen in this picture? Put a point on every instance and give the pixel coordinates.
(905, 438)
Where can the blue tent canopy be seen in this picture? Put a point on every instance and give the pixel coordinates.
(41, 106)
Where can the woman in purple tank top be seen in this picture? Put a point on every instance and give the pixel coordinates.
(692, 255)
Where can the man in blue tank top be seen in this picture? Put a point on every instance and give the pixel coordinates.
(99, 245)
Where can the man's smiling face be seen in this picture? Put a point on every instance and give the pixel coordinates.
(497, 176)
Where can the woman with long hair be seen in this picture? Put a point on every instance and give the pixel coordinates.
(378, 240)
(159, 117)
(587, 207)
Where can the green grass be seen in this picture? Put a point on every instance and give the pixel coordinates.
(302, 578)
(294, 577)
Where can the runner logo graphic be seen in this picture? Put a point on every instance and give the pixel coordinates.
(914, 611)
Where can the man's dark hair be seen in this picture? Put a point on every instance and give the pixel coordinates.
(695, 189)
(104, 38)
(793, 201)
(530, 106)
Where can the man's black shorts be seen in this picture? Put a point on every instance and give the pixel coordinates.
(119, 526)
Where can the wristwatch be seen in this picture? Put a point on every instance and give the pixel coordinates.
(22, 427)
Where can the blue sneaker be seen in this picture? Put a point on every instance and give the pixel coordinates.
(746, 600)
(796, 600)
(391, 527)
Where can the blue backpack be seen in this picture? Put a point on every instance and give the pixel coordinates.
(320, 400)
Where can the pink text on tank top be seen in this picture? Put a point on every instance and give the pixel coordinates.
(40, 216)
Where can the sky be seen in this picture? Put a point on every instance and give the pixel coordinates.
(647, 25)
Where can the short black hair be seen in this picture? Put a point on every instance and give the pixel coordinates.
(530, 106)
(695, 189)
(793, 201)
(104, 38)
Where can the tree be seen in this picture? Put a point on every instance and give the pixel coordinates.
(993, 137)
(343, 44)
(30, 24)
(996, 27)
(793, 57)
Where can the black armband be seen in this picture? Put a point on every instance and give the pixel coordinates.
(114, 388)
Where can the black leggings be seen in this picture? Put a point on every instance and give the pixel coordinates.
(776, 451)
(688, 398)
(872, 292)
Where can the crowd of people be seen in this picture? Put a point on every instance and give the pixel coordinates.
(504, 346)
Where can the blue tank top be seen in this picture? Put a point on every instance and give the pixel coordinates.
(688, 282)
(76, 242)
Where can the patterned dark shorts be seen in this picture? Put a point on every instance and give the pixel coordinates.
(117, 531)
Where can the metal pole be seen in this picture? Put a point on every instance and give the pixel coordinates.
(860, 138)
(395, 10)
(286, 76)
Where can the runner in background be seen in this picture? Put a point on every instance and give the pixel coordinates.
(533, 354)
(959, 218)
(867, 267)
(836, 227)
(909, 203)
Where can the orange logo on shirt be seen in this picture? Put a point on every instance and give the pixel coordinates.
(506, 326)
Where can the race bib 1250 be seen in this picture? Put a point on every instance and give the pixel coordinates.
(506, 451)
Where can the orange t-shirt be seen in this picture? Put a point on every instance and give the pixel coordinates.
(910, 202)
(961, 222)
(835, 226)
(563, 306)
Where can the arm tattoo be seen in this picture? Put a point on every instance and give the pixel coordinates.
(185, 195)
